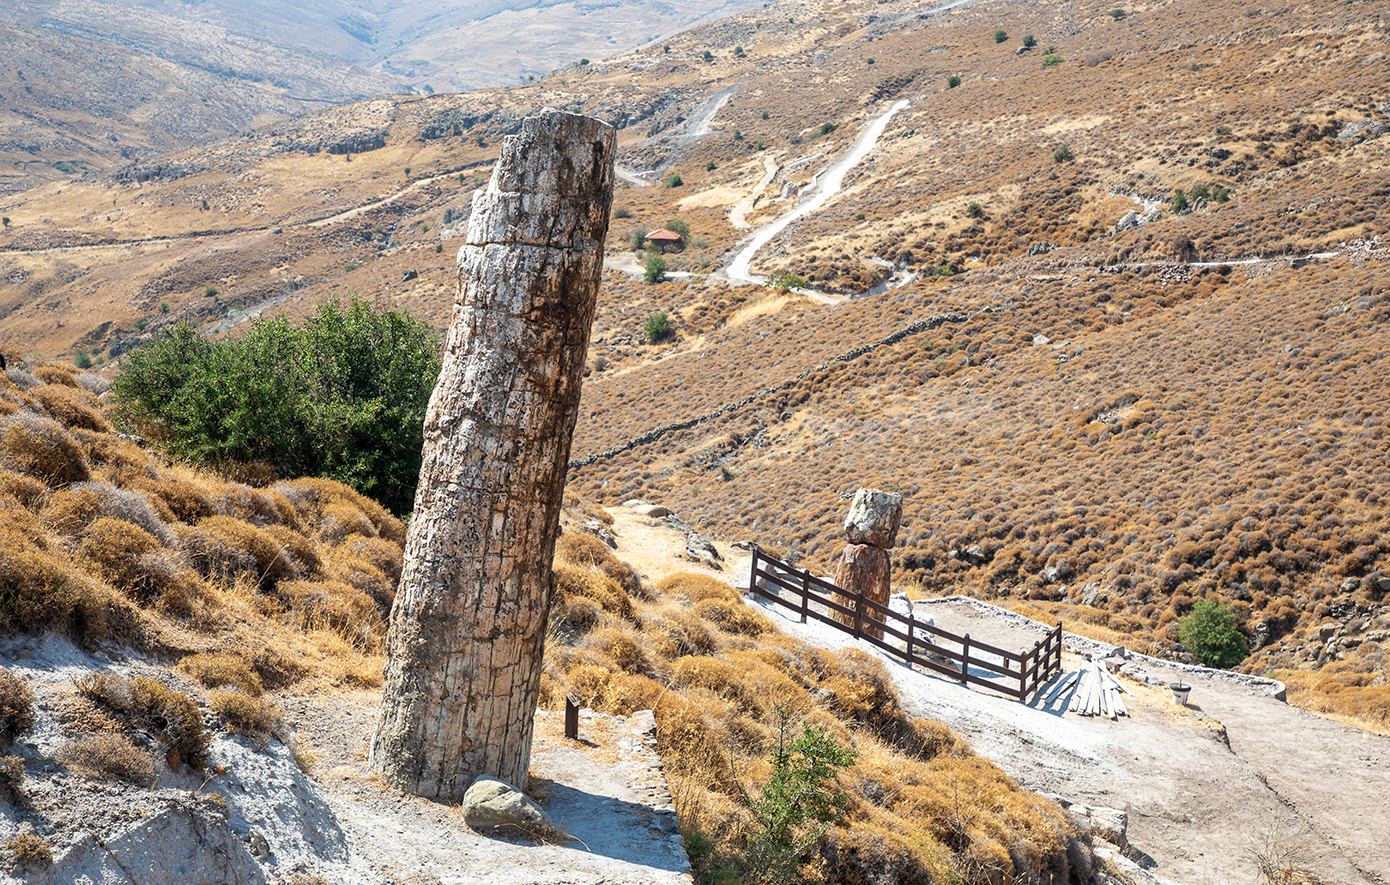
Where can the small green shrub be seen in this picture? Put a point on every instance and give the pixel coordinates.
(655, 272)
(1179, 204)
(711, 166)
(622, 212)
(210, 291)
(1029, 41)
(583, 61)
(952, 81)
(1117, 14)
(764, 115)
(1000, 36)
(738, 51)
(82, 360)
(658, 327)
(1063, 154)
(975, 210)
(1223, 130)
(798, 803)
(1210, 634)
(828, 127)
(1052, 60)
(673, 180)
(707, 55)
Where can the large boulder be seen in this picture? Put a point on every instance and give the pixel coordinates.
(873, 518)
(863, 569)
(491, 803)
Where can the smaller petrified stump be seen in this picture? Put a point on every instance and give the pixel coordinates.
(864, 569)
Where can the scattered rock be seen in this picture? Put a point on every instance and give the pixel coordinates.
(698, 549)
(1360, 130)
(646, 508)
(873, 518)
(491, 803)
(1043, 340)
(410, 275)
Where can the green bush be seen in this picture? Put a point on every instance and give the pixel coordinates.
(1029, 41)
(707, 55)
(655, 272)
(1052, 60)
(343, 396)
(82, 360)
(794, 808)
(658, 327)
(952, 81)
(1117, 14)
(674, 180)
(1063, 154)
(1179, 204)
(1210, 634)
(1000, 36)
(828, 127)
(975, 210)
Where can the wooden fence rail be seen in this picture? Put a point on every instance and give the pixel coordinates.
(924, 645)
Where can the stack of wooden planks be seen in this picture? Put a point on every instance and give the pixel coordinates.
(1097, 692)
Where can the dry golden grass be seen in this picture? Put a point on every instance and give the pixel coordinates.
(243, 714)
(716, 685)
(218, 669)
(30, 849)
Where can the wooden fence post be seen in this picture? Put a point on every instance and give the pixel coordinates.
(858, 614)
(1057, 661)
(964, 659)
(911, 622)
(753, 574)
(805, 594)
(1023, 673)
(571, 717)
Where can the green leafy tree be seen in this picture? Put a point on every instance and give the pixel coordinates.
(975, 210)
(655, 272)
(82, 360)
(1179, 204)
(1029, 41)
(343, 396)
(674, 180)
(1000, 36)
(658, 327)
(707, 55)
(1210, 634)
(797, 804)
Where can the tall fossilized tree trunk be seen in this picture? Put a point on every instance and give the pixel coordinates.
(467, 630)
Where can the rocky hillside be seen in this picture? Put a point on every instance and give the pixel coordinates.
(1099, 399)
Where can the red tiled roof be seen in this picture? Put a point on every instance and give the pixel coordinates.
(663, 234)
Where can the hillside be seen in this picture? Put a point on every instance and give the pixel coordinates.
(1099, 416)
(101, 85)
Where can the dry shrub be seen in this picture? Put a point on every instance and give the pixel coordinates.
(589, 683)
(16, 707)
(154, 705)
(217, 669)
(366, 577)
(260, 508)
(864, 692)
(109, 756)
(30, 850)
(251, 717)
(697, 588)
(190, 502)
(864, 856)
(304, 551)
(386, 556)
(628, 693)
(572, 581)
(676, 633)
(11, 777)
(116, 547)
(79, 715)
(312, 498)
(123, 462)
(54, 373)
(619, 646)
(223, 548)
(694, 739)
(25, 489)
(41, 448)
(335, 606)
(69, 511)
(175, 589)
(42, 589)
(574, 614)
(589, 551)
(927, 739)
(715, 675)
(72, 407)
(734, 617)
(341, 521)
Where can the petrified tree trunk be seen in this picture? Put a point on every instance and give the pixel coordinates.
(864, 569)
(467, 629)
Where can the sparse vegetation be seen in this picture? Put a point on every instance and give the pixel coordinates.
(658, 327)
(1052, 60)
(622, 212)
(16, 707)
(1063, 154)
(210, 291)
(109, 756)
(654, 271)
(30, 850)
(953, 81)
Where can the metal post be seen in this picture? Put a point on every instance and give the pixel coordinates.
(571, 717)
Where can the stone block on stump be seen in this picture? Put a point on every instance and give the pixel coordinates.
(873, 518)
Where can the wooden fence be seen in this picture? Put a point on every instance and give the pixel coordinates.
(1022, 673)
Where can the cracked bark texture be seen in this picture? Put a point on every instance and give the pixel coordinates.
(467, 629)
